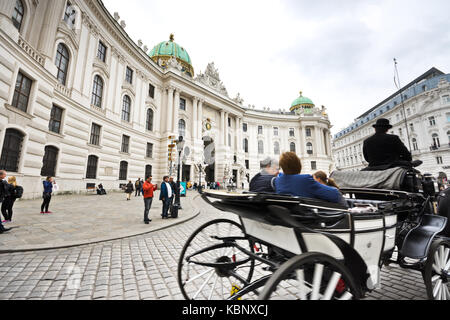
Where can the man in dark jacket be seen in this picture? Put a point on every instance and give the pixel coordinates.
(262, 182)
(4, 192)
(383, 151)
(165, 196)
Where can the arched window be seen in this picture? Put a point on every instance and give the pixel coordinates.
(97, 92)
(292, 147)
(309, 148)
(276, 148)
(181, 127)
(62, 63)
(260, 147)
(123, 170)
(448, 136)
(12, 147)
(149, 123)
(414, 143)
(245, 145)
(126, 108)
(49, 161)
(436, 142)
(229, 140)
(91, 171)
(18, 14)
(148, 171)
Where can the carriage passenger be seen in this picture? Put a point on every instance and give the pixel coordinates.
(263, 181)
(302, 185)
(322, 177)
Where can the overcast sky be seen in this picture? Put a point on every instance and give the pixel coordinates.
(339, 53)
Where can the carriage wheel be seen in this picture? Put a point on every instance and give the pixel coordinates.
(311, 276)
(437, 271)
(200, 282)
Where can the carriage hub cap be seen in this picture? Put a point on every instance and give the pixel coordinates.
(223, 271)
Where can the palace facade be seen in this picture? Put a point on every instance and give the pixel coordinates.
(82, 102)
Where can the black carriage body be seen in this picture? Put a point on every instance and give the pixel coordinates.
(293, 226)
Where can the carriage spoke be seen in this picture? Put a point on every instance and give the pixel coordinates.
(346, 296)
(446, 261)
(198, 276)
(442, 256)
(214, 286)
(447, 293)
(302, 288)
(331, 286)
(437, 261)
(317, 280)
(436, 268)
(437, 288)
(434, 278)
(203, 285)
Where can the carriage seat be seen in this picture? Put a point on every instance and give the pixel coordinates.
(390, 179)
(352, 203)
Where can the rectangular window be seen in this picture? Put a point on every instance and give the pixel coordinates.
(448, 117)
(314, 165)
(22, 92)
(432, 121)
(125, 144)
(129, 75)
(229, 122)
(291, 132)
(275, 131)
(439, 160)
(95, 134)
(151, 91)
(149, 153)
(55, 119)
(182, 104)
(101, 53)
(260, 130)
(308, 132)
(244, 127)
(247, 164)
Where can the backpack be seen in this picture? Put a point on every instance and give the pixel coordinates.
(18, 192)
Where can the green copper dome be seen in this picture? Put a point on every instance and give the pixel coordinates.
(168, 49)
(301, 102)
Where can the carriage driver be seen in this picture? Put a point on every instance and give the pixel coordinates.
(383, 151)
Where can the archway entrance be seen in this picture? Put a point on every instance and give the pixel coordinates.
(210, 159)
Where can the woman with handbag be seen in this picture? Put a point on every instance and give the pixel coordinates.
(129, 189)
(15, 191)
(47, 194)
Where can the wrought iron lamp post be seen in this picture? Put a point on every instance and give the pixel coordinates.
(180, 146)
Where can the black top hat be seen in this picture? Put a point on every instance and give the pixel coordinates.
(382, 123)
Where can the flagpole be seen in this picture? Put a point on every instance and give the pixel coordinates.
(403, 105)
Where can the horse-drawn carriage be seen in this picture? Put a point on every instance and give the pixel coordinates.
(290, 247)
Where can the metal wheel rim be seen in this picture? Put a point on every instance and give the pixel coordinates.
(440, 271)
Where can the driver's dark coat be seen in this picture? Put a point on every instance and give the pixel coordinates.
(384, 149)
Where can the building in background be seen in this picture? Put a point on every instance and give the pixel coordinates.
(81, 101)
(420, 117)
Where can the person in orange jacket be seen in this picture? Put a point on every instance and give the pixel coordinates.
(148, 189)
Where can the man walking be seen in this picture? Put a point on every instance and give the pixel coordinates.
(165, 195)
(148, 189)
(138, 186)
(4, 192)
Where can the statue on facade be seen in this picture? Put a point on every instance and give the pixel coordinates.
(238, 99)
(211, 79)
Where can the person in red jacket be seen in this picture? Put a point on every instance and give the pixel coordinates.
(148, 189)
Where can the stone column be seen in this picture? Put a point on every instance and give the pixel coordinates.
(53, 16)
(194, 118)
(200, 119)
(236, 134)
(222, 127)
(176, 112)
(318, 140)
(225, 138)
(169, 109)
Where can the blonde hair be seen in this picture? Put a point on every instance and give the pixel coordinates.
(12, 180)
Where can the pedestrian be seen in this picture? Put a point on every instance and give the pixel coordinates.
(165, 196)
(129, 190)
(4, 192)
(138, 186)
(15, 192)
(47, 194)
(148, 189)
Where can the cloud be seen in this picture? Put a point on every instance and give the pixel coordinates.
(339, 53)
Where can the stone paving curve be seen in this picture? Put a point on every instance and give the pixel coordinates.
(140, 267)
(83, 219)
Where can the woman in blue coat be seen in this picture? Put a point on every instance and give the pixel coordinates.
(47, 194)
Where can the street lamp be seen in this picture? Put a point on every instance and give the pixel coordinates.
(200, 178)
(180, 146)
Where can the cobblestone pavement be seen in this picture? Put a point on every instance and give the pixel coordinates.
(83, 219)
(140, 267)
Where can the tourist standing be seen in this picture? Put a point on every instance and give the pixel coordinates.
(138, 186)
(47, 194)
(4, 192)
(129, 190)
(165, 196)
(147, 192)
(15, 192)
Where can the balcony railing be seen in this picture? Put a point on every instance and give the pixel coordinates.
(31, 51)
